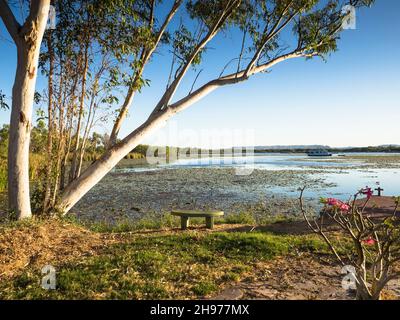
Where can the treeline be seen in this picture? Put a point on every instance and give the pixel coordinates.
(142, 151)
(384, 149)
(95, 146)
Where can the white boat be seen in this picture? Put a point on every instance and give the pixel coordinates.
(319, 153)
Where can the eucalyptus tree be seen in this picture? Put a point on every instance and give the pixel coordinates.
(315, 27)
(27, 38)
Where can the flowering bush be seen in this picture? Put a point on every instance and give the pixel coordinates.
(375, 241)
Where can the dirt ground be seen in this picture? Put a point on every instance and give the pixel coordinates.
(291, 278)
(379, 206)
(297, 277)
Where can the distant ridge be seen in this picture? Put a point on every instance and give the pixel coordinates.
(389, 145)
(292, 147)
(389, 148)
(317, 146)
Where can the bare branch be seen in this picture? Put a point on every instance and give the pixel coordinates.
(195, 80)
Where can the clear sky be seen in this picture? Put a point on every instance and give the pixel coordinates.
(353, 99)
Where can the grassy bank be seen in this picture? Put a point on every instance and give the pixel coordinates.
(168, 264)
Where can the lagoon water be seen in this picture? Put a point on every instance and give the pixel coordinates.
(342, 175)
(267, 162)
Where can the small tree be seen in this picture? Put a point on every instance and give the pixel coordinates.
(375, 241)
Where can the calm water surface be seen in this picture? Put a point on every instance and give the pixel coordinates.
(345, 176)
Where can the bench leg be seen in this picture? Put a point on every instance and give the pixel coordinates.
(210, 222)
(184, 223)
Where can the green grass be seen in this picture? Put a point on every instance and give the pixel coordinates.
(150, 222)
(156, 221)
(169, 266)
(240, 218)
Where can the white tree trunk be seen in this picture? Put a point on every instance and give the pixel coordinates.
(28, 40)
(20, 128)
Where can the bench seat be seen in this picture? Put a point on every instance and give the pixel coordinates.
(187, 214)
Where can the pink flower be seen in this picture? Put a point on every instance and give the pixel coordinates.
(370, 241)
(336, 204)
(344, 207)
(368, 192)
(333, 202)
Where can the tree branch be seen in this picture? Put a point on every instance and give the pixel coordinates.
(144, 58)
(10, 22)
(276, 29)
(227, 80)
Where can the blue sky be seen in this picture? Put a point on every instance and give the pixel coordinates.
(352, 99)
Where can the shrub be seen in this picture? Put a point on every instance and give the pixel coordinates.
(375, 243)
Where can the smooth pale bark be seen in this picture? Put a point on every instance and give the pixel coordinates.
(20, 129)
(27, 39)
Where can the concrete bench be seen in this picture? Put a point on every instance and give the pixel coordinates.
(187, 214)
